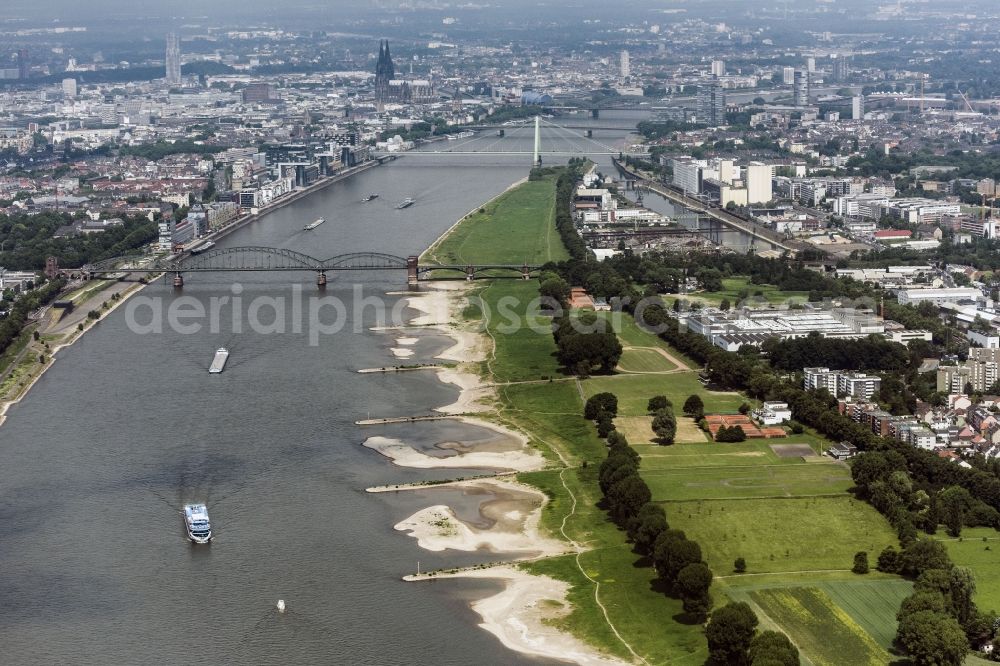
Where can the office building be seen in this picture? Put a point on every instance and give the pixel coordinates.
(718, 68)
(759, 183)
(711, 103)
(259, 93)
(801, 88)
(173, 59)
(810, 65)
(839, 67)
(858, 107)
(22, 64)
(788, 76)
(69, 88)
(624, 64)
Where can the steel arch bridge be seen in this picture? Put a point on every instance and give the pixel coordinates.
(256, 258)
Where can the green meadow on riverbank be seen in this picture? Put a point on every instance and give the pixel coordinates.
(517, 227)
(790, 517)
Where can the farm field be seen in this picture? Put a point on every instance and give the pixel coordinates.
(825, 632)
(749, 481)
(872, 600)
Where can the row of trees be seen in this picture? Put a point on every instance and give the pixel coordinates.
(733, 640)
(939, 619)
(871, 353)
(12, 325)
(678, 560)
(883, 479)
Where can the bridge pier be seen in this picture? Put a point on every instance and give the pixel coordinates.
(321, 279)
(178, 280)
(525, 272)
(412, 270)
(470, 272)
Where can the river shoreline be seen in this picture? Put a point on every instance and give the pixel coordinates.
(73, 338)
(521, 616)
(235, 225)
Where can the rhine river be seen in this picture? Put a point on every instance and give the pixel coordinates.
(97, 460)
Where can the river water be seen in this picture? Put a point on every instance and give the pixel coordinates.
(126, 427)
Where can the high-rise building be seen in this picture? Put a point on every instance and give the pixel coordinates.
(69, 87)
(759, 183)
(810, 64)
(839, 67)
(22, 64)
(788, 76)
(711, 103)
(625, 64)
(801, 88)
(858, 107)
(385, 72)
(718, 68)
(173, 59)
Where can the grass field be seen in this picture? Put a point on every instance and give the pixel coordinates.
(710, 454)
(638, 430)
(642, 359)
(824, 631)
(631, 335)
(748, 481)
(983, 558)
(551, 413)
(781, 535)
(516, 227)
(731, 288)
(634, 392)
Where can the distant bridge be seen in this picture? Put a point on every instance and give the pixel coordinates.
(269, 259)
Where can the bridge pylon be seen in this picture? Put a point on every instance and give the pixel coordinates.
(321, 279)
(178, 280)
(470, 272)
(525, 272)
(412, 270)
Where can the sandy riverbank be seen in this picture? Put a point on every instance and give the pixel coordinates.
(521, 615)
(514, 514)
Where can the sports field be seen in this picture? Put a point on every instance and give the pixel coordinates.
(748, 481)
(642, 359)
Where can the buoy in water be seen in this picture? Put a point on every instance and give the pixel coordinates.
(281, 605)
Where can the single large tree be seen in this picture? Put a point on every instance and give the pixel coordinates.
(693, 582)
(730, 632)
(694, 406)
(933, 639)
(772, 648)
